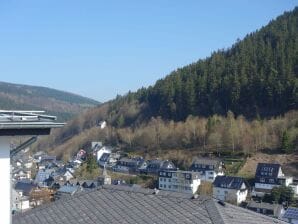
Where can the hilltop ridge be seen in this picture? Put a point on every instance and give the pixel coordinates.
(25, 97)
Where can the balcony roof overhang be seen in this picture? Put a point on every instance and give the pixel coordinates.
(15, 123)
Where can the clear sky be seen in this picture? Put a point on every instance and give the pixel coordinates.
(103, 48)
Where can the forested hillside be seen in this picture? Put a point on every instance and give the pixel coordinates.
(23, 97)
(237, 99)
(257, 76)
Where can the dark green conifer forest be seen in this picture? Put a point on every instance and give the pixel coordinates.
(257, 76)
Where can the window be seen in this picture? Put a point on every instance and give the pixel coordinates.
(262, 180)
(226, 192)
(160, 185)
(271, 181)
(170, 186)
(169, 180)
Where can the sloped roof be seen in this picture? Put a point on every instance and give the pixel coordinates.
(68, 189)
(118, 204)
(267, 170)
(206, 161)
(228, 182)
(25, 187)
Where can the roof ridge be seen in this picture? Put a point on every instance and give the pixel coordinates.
(213, 212)
(146, 191)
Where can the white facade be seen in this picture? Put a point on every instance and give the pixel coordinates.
(230, 195)
(179, 181)
(102, 124)
(23, 204)
(294, 188)
(5, 189)
(288, 181)
(210, 175)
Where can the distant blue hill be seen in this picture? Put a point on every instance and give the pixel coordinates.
(24, 97)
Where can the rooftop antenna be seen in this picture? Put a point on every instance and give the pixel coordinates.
(18, 123)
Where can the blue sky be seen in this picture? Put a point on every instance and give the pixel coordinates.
(103, 48)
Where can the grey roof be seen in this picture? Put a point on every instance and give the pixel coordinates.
(25, 187)
(128, 160)
(291, 213)
(206, 161)
(160, 164)
(204, 164)
(228, 182)
(68, 189)
(118, 204)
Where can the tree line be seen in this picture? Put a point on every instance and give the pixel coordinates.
(214, 134)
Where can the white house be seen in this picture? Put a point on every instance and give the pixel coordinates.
(179, 181)
(19, 202)
(19, 163)
(102, 124)
(230, 189)
(101, 151)
(291, 215)
(268, 176)
(208, 168)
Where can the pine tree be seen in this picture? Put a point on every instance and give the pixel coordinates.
(285, 142)
(91, 163)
